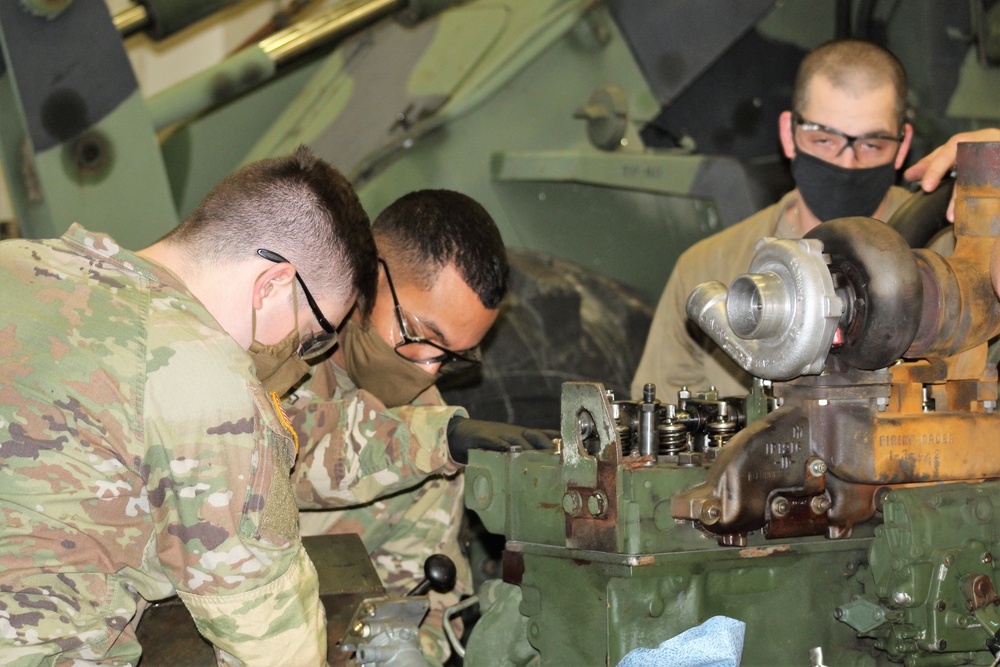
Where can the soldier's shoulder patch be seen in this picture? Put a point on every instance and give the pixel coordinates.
(283, 418)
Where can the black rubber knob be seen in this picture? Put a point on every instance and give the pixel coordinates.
(439, 574)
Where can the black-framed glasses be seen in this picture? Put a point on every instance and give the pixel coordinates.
(314, 344)
(827, 143)
(415, 344)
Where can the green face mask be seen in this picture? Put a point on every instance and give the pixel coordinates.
(374, 366)
(279, 366)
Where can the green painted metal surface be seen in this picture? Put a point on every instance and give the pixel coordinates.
(587, 583)
(75, 134)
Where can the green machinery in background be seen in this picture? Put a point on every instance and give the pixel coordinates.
(849, 516)
(604, 136)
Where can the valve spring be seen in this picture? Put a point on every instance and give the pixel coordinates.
(673, 438)
(625, 437)
(719, 432)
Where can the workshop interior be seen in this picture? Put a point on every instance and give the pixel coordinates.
(843, 508)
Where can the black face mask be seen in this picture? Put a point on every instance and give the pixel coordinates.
(831, 191)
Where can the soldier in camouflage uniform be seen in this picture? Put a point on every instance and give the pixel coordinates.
(142, 448)
(378, 442)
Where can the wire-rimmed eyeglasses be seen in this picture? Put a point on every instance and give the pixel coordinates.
(827, 143)
(415, 345)
(314, 344)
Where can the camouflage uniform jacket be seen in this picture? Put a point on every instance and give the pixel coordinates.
(355, 450)
(386, 475)
(139, 457)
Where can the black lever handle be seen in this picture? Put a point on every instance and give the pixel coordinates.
(439, 575)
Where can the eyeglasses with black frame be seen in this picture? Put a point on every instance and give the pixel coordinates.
(870, 150)
(415, 345)
(314, 344)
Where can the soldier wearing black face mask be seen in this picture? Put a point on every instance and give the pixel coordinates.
(846, 137)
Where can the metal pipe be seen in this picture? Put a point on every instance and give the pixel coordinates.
(960, 308)
(256, 64)
(337, 22)
(132, 20)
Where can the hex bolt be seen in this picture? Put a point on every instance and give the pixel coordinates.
(780, 506)
(819, 504)
(362, 629)
(987, 557)
(901, 598)
(941, 606)
(881, 403)
(572, 503)
(711, 512)
(597, 504)
(817, 467)
(989, 405)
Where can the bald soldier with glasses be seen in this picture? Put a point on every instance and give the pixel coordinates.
(846, 137)
(381, 454)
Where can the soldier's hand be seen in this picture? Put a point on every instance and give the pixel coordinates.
(465, 434)
(936, 165)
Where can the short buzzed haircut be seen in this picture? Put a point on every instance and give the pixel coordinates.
(298, 206)
(853, 65)
(424, 231)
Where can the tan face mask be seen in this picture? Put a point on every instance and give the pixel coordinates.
(374, 366)
(279, 366)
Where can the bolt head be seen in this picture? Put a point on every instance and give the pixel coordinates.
(572, 503)
(819, 504)
(817, 467)
(597, 504)
(780, 506)
(711, 512)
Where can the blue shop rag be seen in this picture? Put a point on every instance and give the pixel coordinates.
(718, 642)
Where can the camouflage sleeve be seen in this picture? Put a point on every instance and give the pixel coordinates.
(225, 521)
(353, 449)
(261, 627)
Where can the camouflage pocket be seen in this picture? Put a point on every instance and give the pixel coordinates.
(271, 492)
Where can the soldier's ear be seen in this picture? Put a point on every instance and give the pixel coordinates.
(904, 147)
(785, 133)
(273, 284)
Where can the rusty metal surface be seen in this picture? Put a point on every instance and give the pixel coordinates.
(979, 591)
(964, 311)
(920, 421)
(591, 468)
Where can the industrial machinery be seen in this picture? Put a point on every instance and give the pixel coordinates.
(855, 512)
(850, 510)
(365, 626)
(604, 136)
